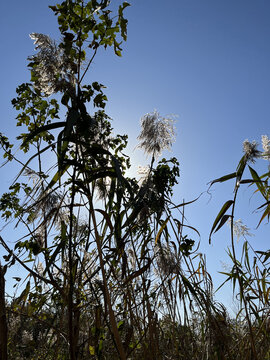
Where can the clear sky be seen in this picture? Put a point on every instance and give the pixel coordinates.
(205, 60)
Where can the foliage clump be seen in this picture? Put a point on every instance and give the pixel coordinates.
(111, 266)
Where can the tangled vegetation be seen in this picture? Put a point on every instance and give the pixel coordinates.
(112, 271)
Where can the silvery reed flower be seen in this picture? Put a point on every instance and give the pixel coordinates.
(52, 68)
(157, 134)
(266, 147)
(103, 187)
(239, 229)
(167, 261)
(250, 150)
(143, 171)
(40, 268)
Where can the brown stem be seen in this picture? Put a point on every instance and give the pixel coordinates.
(115, 331)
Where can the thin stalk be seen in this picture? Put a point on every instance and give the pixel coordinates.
(71, 334)
(3, 317)
(239, 278)
(115, 331)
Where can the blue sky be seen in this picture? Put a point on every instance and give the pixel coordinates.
(205, 60)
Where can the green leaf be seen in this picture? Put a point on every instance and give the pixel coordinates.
(107, 218)
(223, 220)
(163, 226)
(247, 181)
(91, 350)
(43, 129)
(59, 247)
(57, 177)
(266, 213)
(118, 53)
(240, 168)
(258, 181)
(224, 178)
(125, 4)
(263, 205)
(120, 323)
(24, 294)
(219, 219)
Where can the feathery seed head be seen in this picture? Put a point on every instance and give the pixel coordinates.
(266, 147)
(250, 150)
(52, 68)
(167, 261)
(239, 229)
(157, 134)
(143, 171)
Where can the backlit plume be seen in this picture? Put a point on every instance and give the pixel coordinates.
(250, 150)
(157, 134)
(239, 229)
(266, 147)
(52, 69)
